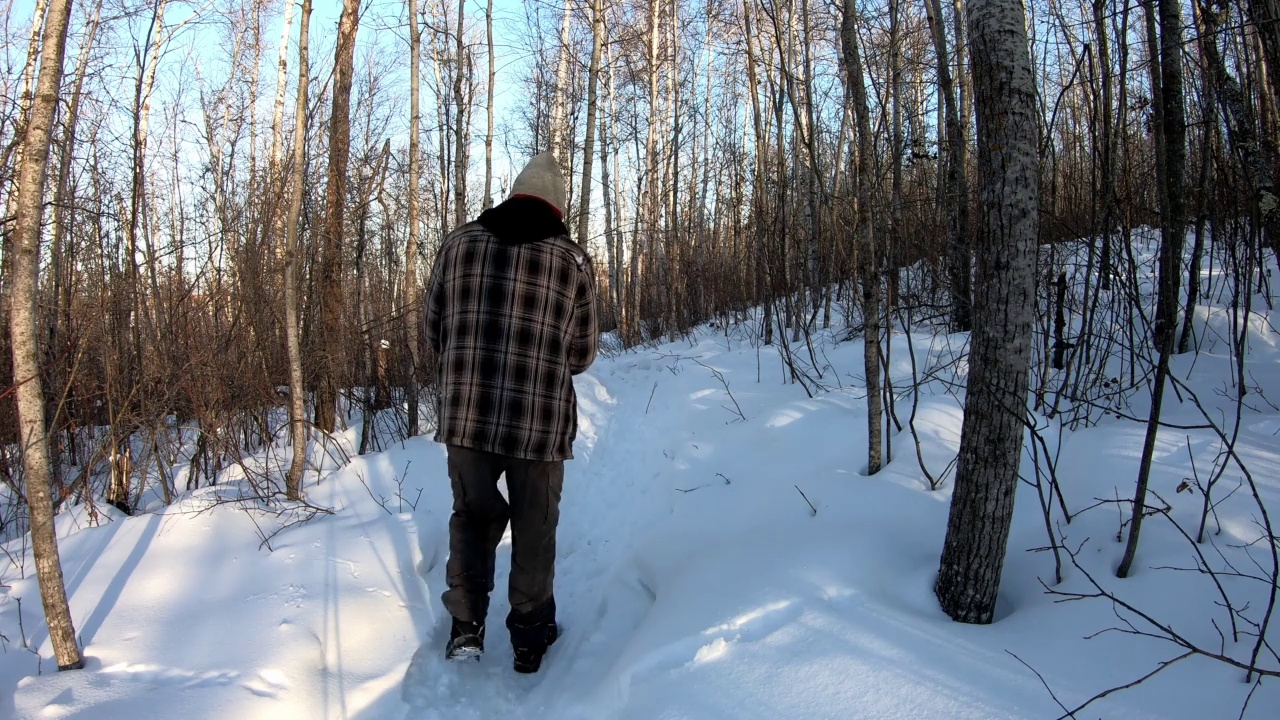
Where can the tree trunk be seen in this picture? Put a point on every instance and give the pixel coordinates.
(297, 409)
(963, 89)
(1209, 114)
(1157, 107)
(137, 194)
(1107, 144)
(15, 149)
(1265, 15)
(461, 133)
(560, 92)
(957, 188)
(1241, 124)
(331, 276)
(64, 218)
(896, 145)
(442, 133)
(762, 290)
(652, 200)
(855, 86)
(1173, 222)
(613, 249)
(1000, 348)
(409, 296)
(488, 136)
(33, 439)
(672, 116)
(588, 145)
(810, 130)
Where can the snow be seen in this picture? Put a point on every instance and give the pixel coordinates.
(693, 578)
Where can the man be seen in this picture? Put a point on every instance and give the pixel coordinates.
(511, 315)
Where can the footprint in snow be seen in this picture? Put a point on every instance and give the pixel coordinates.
(268, 683)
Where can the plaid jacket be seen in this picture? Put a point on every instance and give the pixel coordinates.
(511, 313)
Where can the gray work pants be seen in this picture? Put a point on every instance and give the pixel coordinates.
(480, 516)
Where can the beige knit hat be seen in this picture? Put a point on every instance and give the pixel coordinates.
(541, 178)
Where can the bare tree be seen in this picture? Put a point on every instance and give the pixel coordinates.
(864, 173)
(488, 135)
(410, 295)
(33, 438)
(1107, 141)
(758, 175)
(64, 217)
(297, 409)
(462, 134)
(14, 151)
(1265, 15)
(1173, 226)
(558, 142)
(1241, 121)
(330, 342)
(1000, 347)
(588, 145)
(957, 186)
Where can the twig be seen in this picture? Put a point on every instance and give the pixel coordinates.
(1069, 713)
(814, 510)
(382, 501)
(1249, 697)
(737, 409)
(22, 631)
(266, 539)
(1166, 632)
(400, 480)
(1163, 664)
(651, 392)
(1204, 563)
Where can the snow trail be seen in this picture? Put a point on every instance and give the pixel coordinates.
(694, 582)
(608, 502)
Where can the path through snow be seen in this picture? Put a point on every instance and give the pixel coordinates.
(693, 579)
(600, 595)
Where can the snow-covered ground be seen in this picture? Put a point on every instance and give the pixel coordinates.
(693, 580)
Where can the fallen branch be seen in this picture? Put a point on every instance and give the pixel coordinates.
(737, 409)
(813, 510)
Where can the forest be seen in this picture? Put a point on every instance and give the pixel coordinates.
(220, 217)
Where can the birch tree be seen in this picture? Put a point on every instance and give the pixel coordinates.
(488, 135)
(588, 145)
(33, 437)
(297, 409)
(560, 93)
(410, 295)
(462, 134)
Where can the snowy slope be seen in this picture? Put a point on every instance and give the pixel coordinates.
(694, 580)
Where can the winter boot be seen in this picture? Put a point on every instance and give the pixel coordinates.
(531, 634)
(529, 659)
(466, 641)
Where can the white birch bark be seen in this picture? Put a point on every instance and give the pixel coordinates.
(297, 409)
(409, 297)
(25, 348)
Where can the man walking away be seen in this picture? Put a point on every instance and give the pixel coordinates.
(511, 313)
